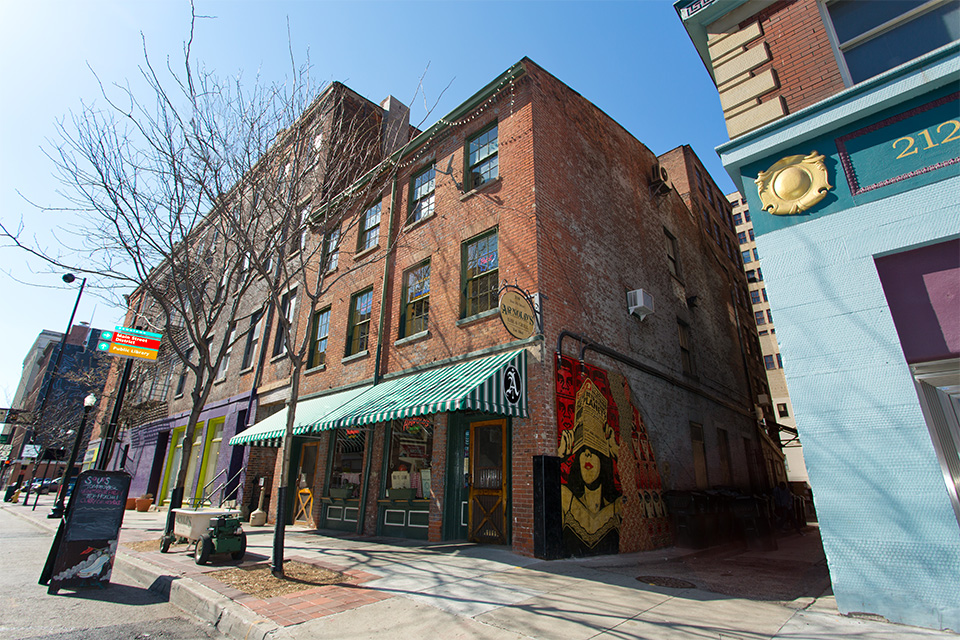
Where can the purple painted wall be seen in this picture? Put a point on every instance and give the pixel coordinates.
(922, 288)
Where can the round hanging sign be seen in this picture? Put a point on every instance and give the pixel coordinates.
(517, 315)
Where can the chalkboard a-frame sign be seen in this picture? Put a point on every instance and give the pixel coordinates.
(85, 546)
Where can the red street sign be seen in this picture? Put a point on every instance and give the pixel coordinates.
(135, 341)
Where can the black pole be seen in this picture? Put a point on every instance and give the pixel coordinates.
(276, 566)
(58, 508)
(68, 278)
(106, 443)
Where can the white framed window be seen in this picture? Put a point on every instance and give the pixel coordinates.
(872, 37)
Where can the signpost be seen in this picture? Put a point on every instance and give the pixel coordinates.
(85, 546)
(133, 344)
(130, 343)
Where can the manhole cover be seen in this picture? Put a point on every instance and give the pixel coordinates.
(670, 583)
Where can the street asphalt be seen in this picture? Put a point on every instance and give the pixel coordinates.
(460, 590)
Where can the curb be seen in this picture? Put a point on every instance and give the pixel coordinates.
(188, 595)
(201, 602)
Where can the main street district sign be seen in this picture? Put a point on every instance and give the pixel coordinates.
(130, 343)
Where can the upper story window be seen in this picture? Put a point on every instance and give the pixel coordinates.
(225, 362)
(298, 239)
(768, 362)
(699, 179)
(742, 237)
(873, 37)
(686, 355)
(673, 263)
(480, 274)
(422, 195)
(416, 300)
(483, 162)
(755, 296)
(369, 228)
(358, 330)
(746, 256)
(253, 338)
(288, 308)
(737, 219)
(182, 380)
(320, 328)
(761, 319)
(331, 245)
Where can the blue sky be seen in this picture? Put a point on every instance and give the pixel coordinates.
(633, 60)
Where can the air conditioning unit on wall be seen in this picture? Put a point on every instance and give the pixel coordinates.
(660, 180)
(639, 303)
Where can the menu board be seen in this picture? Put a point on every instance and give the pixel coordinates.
(86, 544)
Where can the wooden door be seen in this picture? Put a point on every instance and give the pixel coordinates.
(488, 461)
(306, 473)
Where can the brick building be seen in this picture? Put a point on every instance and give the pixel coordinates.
(628, 371)
(843, 119)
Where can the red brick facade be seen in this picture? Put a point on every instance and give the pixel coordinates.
(578, 223)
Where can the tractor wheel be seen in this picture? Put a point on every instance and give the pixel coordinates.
(164, 544)
(239, 553)
(204, 549)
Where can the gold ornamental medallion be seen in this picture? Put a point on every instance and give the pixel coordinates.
(793, 184)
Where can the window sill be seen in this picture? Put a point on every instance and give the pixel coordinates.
(178, 396)
(244, 372)
(486, 185)
(363, 254)
(220, 380)
(357, 356)
(413, 225)
(678, 279)
(417, 337)
(483, 315)
(317, 369)
(278, 357)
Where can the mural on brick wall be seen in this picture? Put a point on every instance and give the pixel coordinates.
(594, 413)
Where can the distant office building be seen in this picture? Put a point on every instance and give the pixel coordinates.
(769, 347)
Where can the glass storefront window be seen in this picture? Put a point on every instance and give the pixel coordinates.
(347, 466)
(409, 460)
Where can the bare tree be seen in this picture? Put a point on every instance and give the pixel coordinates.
(209, 196)
(153, 180)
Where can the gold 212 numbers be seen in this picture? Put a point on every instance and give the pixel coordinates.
(953, 135)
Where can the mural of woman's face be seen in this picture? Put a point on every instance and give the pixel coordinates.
(589, 466)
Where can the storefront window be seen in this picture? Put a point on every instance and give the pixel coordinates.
(347, 465)
(409, 458)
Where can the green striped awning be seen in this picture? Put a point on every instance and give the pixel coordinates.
(269, 431)
(495, 384)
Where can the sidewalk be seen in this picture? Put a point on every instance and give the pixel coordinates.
(460, 590)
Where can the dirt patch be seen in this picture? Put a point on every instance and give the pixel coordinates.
(257, 580)
(154, 545)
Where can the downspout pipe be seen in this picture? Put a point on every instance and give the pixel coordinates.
(588, 345)
(387, 262)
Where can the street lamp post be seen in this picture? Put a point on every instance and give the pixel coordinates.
(58, 507)
(68, 278)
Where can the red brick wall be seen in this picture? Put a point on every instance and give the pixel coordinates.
(801, 52)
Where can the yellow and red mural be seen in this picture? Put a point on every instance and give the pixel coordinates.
(595, 413)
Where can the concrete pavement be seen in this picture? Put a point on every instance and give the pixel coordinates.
(460, 590)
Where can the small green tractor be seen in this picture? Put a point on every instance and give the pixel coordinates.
(224, 535)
